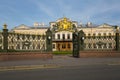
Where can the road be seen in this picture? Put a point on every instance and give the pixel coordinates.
(82, 72)
(61, 68)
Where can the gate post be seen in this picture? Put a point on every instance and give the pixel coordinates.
(5, 37)
(75, 44)
(81, 40)
(49, 40)
(117, 38)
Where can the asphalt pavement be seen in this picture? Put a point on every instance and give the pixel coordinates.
(61, 67)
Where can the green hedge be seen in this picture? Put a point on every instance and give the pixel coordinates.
(62, 52)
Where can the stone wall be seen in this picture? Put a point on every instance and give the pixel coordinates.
(24, 56)
(99, 54)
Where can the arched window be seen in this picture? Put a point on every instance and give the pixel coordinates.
(94, 36)
(104, 35)
(89, 36)
(110, 35)
(99, 35)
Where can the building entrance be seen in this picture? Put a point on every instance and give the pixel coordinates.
(64, 46)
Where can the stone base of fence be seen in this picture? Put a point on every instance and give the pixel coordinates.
(24, 55)
(99, 54)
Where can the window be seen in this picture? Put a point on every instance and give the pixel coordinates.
(68, 36)
(104, 34)
(89, 36)
(63, 36)
(99, 35)
(110, 36)
(94, 35)
(69, 46)
(58, 35)
(53, 46)
(58, 45)
(53, 36)
(63, 46)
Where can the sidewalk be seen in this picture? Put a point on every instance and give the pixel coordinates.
(62, 60)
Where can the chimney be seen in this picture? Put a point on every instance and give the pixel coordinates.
(36, 24)
(89, 24)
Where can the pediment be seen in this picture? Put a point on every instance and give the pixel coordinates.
(22, 26)
(105, 26)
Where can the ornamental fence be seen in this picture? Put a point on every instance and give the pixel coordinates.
(21, 42)
(1, 41)
(100, 43)
(11, 42)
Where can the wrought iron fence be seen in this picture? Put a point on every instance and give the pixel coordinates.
(99, 43)
(26, 42)
(1, 40)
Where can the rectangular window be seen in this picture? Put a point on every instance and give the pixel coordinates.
(63, 36)
(53, 46)
(68, 36)
(63, 46)
(58, 35)
(69, 46)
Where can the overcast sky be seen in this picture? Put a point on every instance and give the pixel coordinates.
(16, 12)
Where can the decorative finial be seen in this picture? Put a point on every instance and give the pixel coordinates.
(5, 26)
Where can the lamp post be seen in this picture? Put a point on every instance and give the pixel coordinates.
(81, 40)
(49, 40)
(5, 37)
(75, 45)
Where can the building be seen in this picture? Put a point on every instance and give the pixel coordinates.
(102, 36)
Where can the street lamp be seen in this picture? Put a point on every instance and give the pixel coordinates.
(49, 37)
(83, 38)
